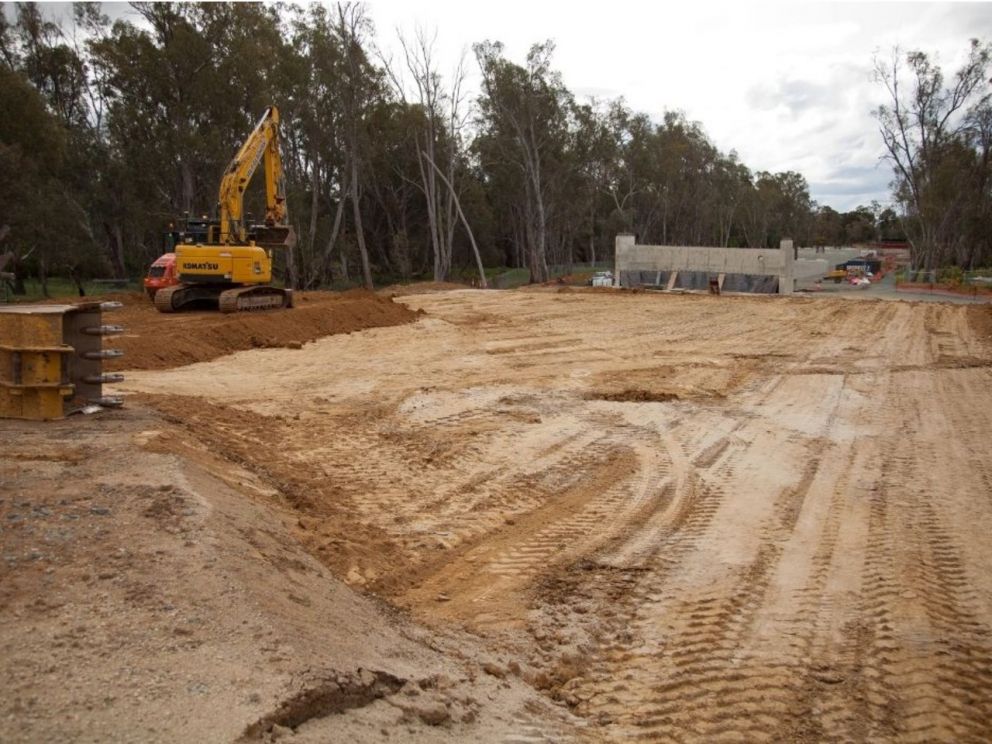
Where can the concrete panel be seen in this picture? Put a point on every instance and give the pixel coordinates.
(809, 268)
(778, 262)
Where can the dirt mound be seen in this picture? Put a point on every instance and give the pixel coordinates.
(154, 340)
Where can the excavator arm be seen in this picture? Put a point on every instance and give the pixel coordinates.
(261, 147)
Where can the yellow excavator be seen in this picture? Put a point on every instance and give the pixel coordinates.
(226, 262)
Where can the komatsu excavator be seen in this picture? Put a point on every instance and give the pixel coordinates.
(224, 262)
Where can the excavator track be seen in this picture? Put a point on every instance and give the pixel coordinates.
(164, 299)
(238, 299)
(242, 299)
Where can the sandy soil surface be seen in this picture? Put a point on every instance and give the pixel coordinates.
(682, 518)
(150, 591)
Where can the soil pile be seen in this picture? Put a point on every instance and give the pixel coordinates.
(153, 340)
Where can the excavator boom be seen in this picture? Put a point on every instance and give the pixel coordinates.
(260, 148)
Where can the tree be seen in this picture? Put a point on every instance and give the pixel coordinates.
(925, 131)
(360, 84)
(141, 119)
(42, 222)
(438, 139)
(524, 116)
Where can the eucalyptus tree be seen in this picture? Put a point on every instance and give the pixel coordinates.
(438, 139)
(729, 183)
(361, 85)
(524, 120)
(925, 130)
(314, 131)
(51, 103)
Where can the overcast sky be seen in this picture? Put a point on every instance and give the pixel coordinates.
(786, 85)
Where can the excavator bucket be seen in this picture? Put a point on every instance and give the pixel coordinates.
(278, 236)
(51, 360)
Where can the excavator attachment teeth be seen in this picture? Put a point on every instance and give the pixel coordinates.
(102, 354)
(103, 330)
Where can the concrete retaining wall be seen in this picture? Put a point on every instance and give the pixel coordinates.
(779, 263)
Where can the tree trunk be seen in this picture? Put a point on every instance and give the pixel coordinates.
(186, 173)
(335, 228)
(74, 275)
(293, 277)
(43, 276)
(468, 228)
(18, 282)
(115, 249)
(429, 181)
(344, 265)
(314, 211)
(359, 232)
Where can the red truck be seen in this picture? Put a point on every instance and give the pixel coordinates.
(161, 274)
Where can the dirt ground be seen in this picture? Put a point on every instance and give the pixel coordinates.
(567, 514)
(153, 340)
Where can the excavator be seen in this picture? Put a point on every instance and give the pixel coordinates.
(226, 262)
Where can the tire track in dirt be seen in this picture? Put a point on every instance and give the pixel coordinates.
(507, 557)
(926, 649)
(711, 690)
(581, 510)
(791, 549)
(703, 659)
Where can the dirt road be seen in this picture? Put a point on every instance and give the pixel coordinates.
(686, 518)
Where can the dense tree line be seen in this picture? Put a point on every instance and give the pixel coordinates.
(111, 131)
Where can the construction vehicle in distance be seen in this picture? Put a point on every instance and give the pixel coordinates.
(161, 274)
(226, 262)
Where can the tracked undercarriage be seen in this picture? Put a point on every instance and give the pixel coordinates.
(222, 297)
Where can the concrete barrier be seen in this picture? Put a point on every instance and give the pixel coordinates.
(743, 262)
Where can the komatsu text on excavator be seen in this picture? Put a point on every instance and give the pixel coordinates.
(225, 262)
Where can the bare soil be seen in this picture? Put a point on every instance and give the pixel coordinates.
(151, 591)
(154, 340)
(609, 516)
(401, 290)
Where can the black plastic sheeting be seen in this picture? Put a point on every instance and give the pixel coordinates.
(755, 283)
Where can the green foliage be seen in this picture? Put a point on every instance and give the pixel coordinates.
(952, 275)
(27, 125)
(62, 288)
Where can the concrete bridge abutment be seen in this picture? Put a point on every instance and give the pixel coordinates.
(757, 268)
